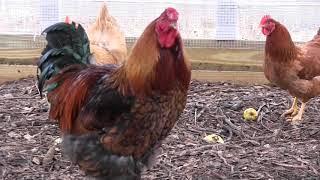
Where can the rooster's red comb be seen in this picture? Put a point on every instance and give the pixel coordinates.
(172, 13)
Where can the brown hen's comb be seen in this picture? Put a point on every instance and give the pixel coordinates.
(264, 19)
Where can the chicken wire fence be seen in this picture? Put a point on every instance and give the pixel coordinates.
(203, 23)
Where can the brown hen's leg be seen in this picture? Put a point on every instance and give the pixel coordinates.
(298, 118)
(293, 110)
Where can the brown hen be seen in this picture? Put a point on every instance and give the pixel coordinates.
(293, 68)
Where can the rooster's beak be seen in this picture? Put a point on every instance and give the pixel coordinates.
(173, 25)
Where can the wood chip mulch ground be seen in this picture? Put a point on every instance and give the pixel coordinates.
(269, 148)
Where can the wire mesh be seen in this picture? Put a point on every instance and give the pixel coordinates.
(203, 23)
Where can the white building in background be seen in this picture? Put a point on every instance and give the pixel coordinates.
(227, 20)
(48, 13)
(200, 19)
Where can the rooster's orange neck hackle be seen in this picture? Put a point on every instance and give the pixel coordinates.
(150, 67)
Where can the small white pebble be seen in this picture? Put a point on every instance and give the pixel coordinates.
(57, 141)
(33, 150)
(267, 146)
(13, 134)
(7, 96)
(36, 160)
(28, 137)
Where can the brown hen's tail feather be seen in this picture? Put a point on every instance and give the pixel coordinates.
(87, 151)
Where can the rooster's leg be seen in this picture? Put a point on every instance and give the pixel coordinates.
(298, 118)
(293, 110)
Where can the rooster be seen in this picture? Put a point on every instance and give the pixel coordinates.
(107, 41)
(113, 117)
(293, 68)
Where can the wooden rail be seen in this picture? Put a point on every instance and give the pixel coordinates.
(236, 65)
(13, 72)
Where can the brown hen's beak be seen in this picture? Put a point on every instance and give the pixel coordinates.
(174, 25)
(262, 25)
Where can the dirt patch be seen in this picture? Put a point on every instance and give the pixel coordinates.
(267, 149)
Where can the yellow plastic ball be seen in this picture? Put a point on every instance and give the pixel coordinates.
(250, 114)
(213, 138)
